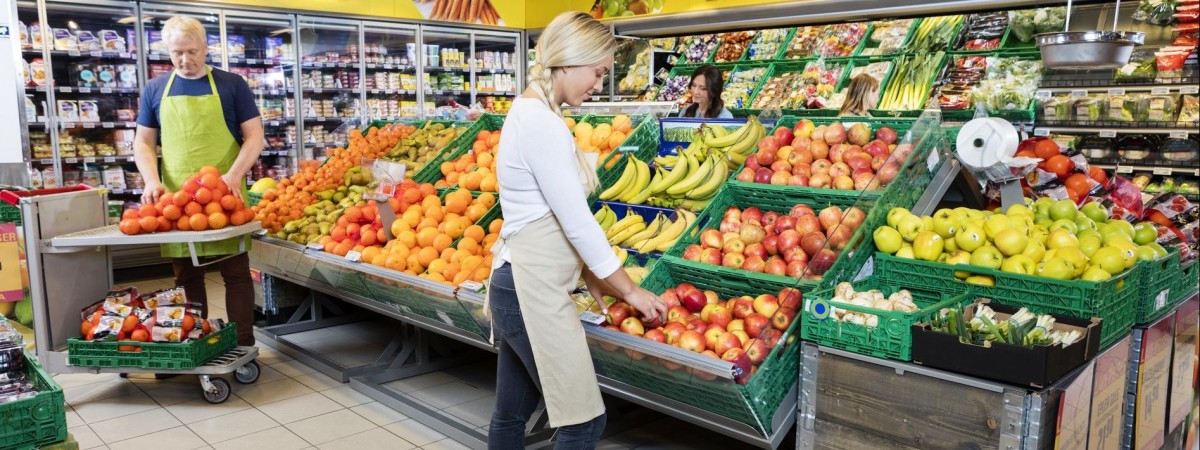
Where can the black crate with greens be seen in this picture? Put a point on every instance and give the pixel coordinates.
(994, 341)
(982, 32)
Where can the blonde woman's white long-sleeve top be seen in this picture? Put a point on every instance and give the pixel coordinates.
(535, 168)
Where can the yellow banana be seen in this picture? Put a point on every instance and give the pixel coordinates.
(718, 130)
(679, 172)
(657, 182)
(631, 230)
(643, 180)
(667, 237)
(630, 219)
(729, 139)
(628, 176)
(639, 239)
(693, 179)
(622, 255)
(709, 187)
(694, 205)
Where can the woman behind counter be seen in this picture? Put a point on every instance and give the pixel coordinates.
(862, 96)
(706, 88)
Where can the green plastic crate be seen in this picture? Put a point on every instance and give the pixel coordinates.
(383, 123)
(1187, 281)
(791, 66)
(883, 86)
(1113, 300)
(746, 66)
(892, 338)
(642, 143)
(252, 198)
(787, 38)
(431, 171)
(869, 44)
(37, 421)
(153, 355)
(753, 403)
(10, 214)
(1155, 293)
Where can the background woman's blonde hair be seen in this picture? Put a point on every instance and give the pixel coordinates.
(572, 39)
(859, 92)
(183, 26)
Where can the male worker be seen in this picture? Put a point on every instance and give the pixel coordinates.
(203, 117)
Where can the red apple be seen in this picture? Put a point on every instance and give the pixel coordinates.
(733, 260)
(656, 335)
(788, 239)
(886, 134)
(878, 162)
(783, 318)
(735, 245)
(720, 317)
(763, 175)
(766, 304)
(735, 325)
(757, 350)
(785, 223)
(779, 178)
(694, 300)
(758, 250)
(692, 252)
(771, 337)
(887, 173)
(790, 298)
(820, 166)
(771, 243)
(756, 323)
(692, 341)
(820, 180)
(837, 153)
(631, 325)
(843, 182)
(795, 254)
(796, 268)
(711, 335)
(677, 314)
(741, 334)
(704, 312)
(769, 144)
(655, 322)
(835, 133)
(712, 298)
(674, 330)
(712, 238)
(732, 212)
(782, 134)
(839, 236)
(803, 169)
(746, 175)
(838, 169)
(683, 288)
(670, 298)
(801, 142)
(801, 210)
(853, 217)
(765, 157)
(618, 312)
(864, 182)
(800, 156)
(743, 307)
(902, 151)
(752, 215)
(822, 261)
(710, 256)
(784, 152)
(797, 180)
(776, 266)
(752, 164)
(819, 149)
(781, 166)
(859, 161)
(754, 264)
(812, 242)
(877, 148)
(726, 341)
(769, 219)
(830, 216)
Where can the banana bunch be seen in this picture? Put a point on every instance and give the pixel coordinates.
(657, 236)
(606, 217)
(735, 147)
(622, 255)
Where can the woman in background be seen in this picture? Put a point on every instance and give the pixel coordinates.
(706, 90)
(861, 97)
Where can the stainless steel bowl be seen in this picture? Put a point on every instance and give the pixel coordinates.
(1088, 49)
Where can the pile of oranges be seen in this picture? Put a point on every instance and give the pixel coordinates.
(286, 203)
(426, 234)
(202, 203)
(476, 170)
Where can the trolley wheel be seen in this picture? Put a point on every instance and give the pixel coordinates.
(219, 392)
(248, 373)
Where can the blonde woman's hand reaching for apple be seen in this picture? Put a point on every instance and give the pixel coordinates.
(647, 303)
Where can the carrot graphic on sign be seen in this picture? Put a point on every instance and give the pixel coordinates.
(468, 11)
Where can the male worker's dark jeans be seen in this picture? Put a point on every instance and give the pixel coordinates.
(239, 291)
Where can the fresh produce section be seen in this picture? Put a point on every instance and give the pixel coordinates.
(203, 203)
(827, 156)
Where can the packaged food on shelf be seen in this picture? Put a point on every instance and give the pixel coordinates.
(1009, 84)
(37, 72)
(1161, 108)
(700, 48)
(964, 74)
(112, 41)
(888, 37)
(68, 111)
(35, 35)
(1135, 148)
(983, 31)
(733, 45)
(115, 178)
(31, 113)
(741, 85)
(1189, 110)
(1026, 23)
(87, 41)
(805, 42)
(767, 44)
(49, 178)
(89, 111)
(64, 40)
(71, 177)
(35, 178)
(676, 89)
(1141, 66)
(1180, 150)
(23, 34)
(1155, 12)
(934, 34)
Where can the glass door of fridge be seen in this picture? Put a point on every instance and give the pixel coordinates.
(261, 48)
(496, 79)
(93, 70)
(37, 103)
(446, 63)
(391, 75)
(331, 85)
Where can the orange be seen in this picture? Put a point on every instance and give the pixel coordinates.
(453, 228)
(469, 244)
(442, 242)
(495, 226)
(148, 211)
(164, 225)
(191, 186)
(474, 232)
(240, 217)
(471, 263)
(184, 223)
(395, 262)
(494, 140)
(431, 202)
(489, 184)
(426, 256)
(354, 214)
(400, 252)
(370, 253)
(203, 196)
(452, 270)
(342, 249)
(437, 266)
(379, 260)
(130, 226)
(436, 214)
(192, 208)
(166, 199)
(229, 202)
(447, 254)
(149, 224)
(456, 204)
(172, 212)
(198, 222)
(213, 208)
(459, 255)
(217, 220)
(210, 181)
(476, 212)
(181, 199)
(486, 199)
(446, 168)
(209, 170)
(427, 222)
(407, 239)
(426, 236)
(487, 160)
(131, 214)
(412, 196)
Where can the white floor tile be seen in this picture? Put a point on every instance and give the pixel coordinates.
(379, 413)
(86, 438)
(476, 412)
(450, 394)
(263, 393)
(267, 374)
(69, 380)
(299, 408)
(293, 368)
(330, 427)
(374, 438)
(445, 444)
(318, 381)
(200, 410)
(346, 396)
(277, 438)
(86, 393)
(177, 438)
(111, 407)
(73, 419)
(413, 431)
(134, 425)
(238, 424)
(175, 393)
(269, 355)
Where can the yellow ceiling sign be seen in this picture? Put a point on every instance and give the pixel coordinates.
(541, 12)
(509, 13)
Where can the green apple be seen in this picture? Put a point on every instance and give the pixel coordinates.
(959, 257)
(1158, 249)
(1035, 251)
(970, 237)
(995, 225)
(1063, 209)
(1064, 224)
(1043, 223)
(1075, 256)
(1089, 244)
(1042, 206)
(949, 244)
(1019, 264)
(1018, 210)
(1144, 233)
(1084, 223)
(906, 251)
(945, 224)
(926, 223)
(982, 280)
(927, 246)
(987, 256)
(887, 239)
(1125, 227)
(1109, 258)
(894, 216)
(1095, 211)
(1061, 238)
(974, 215)
(1094, 273)
(1128, 252)
(1056, 268)
(1011, 241)
(1145, 253)
(909, 227)
(1093, 233)
(1112, 236)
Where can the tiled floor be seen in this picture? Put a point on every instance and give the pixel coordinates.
(292, 406)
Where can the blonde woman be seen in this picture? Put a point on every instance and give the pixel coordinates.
(862, 96)
(548, 240)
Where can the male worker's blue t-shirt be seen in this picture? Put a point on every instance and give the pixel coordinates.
(236, 99)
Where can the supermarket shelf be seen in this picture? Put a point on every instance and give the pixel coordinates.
(1118, 89)
(1040, 130)
(275, 153)
(329, 90)
(327, 119)
(447, 91)
(90, 54)
(502, 93)
(90, 90)
(89, 125)
(391, 91)
(400, 67)
(260, 62)
(282, 121)
(272, 92)
(495, 71)
(446, 69)
(42, 88)
(329, 65)
(1157, 170)
(112, 235)
(124, 192)
(97, 159)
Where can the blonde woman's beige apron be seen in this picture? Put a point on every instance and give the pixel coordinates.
(546, 269)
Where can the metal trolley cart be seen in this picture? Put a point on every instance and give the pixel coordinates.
(67, 241)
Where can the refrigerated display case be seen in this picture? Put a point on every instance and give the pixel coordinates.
(261, 48)
(37, 100)
(331, 88)
(390, 68)
(446, 68)
(494, 70)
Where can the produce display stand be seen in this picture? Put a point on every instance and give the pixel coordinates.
(66, 238)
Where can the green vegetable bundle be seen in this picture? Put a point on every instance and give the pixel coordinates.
(1023, 328)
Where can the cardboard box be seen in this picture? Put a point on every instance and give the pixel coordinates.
(1037, 366)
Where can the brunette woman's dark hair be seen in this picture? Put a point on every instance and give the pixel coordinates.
(714, 84)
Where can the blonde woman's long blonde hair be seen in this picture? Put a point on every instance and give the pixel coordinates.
(858, 94)
(571, 39)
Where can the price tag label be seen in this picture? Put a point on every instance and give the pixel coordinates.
(130, 124)
(374, 91)
(89, 159)
(96, 54)
(1044, 94)
(315, 246)
(89, 125)
(320, 119)
(370, 66)
(1160, 300)
(71, 160)
(137, 192)
(1162, 171)
(65, 89)
(934, 159)
(591, 317)
(105, 90)
(318, 90)
(1116, 91)
(1178, 135)
(1041, 132)
(73, 52)
(1124, 169)
(47, 161)
(124, 54)
(109, 125)
(252, 61)
(353, 256)
(1108, 133)
(1079, 93)
(273, 123)
(1189, 90)
(445, 318)
(110, 159)
(1160, 90)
